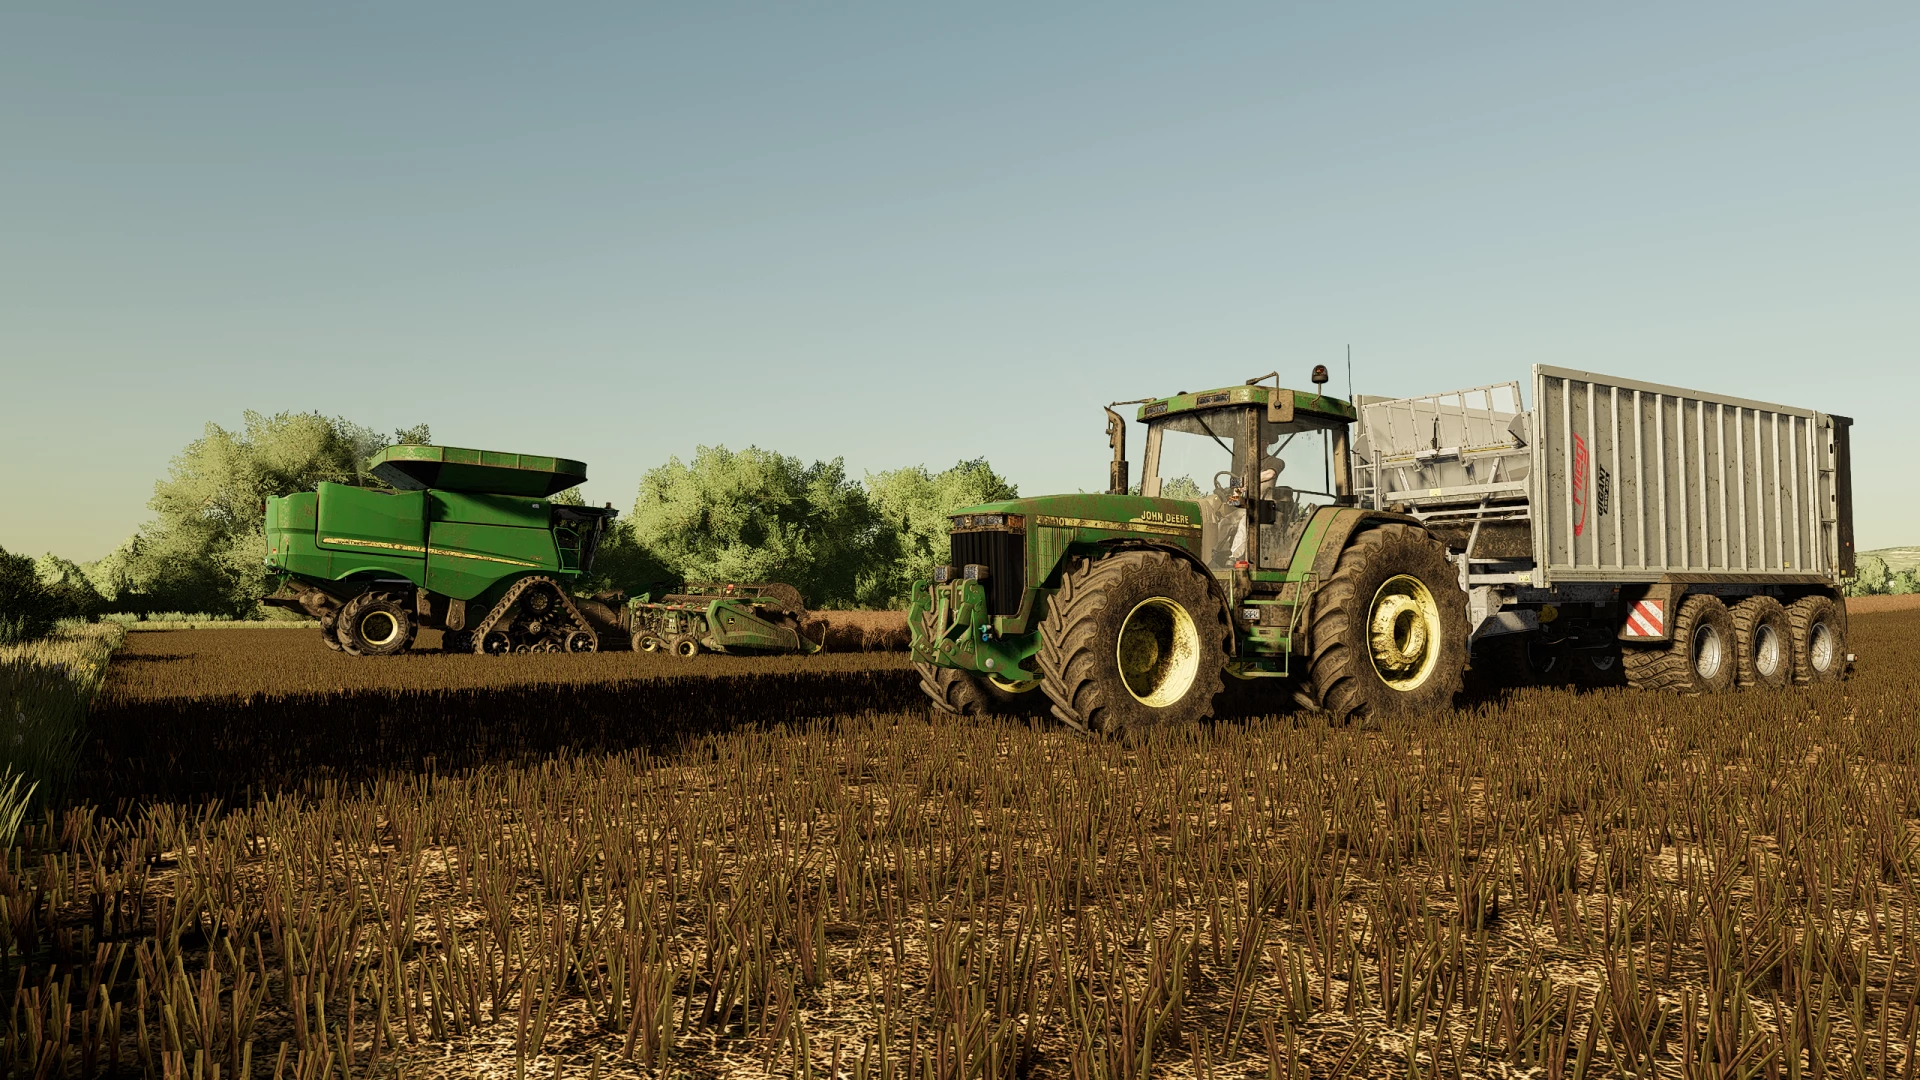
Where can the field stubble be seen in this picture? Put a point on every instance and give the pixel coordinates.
(1552, 884)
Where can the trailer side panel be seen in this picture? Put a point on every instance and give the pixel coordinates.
(1634, 481)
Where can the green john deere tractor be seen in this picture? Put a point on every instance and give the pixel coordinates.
(1243, 555)
(469, 541)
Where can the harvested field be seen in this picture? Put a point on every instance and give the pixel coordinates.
(1549, 883)
(277, 663)
(217, 713)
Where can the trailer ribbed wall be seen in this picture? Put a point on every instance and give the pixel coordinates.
(1632, 481)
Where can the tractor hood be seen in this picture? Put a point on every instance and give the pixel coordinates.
(1119, 513)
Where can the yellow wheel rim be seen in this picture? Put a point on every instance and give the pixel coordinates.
(379, 628)
(1403, 632)
(1011, 687)
(1158, 652)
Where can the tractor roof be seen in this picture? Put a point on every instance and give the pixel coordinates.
(475, 472)
(1320, 405)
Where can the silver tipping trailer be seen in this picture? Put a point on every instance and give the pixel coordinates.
(1626, 521)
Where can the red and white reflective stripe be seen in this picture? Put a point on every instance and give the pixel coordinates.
(1648, 618)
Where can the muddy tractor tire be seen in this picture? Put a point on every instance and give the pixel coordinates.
(1133, 640)
(1764, 640)
(964, 693)
(1819, 630)
(1389, 627)
(1699, 660)
(376, 624)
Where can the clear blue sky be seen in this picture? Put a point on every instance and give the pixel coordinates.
(914, 233)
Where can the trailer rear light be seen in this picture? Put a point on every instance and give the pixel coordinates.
(978, 572)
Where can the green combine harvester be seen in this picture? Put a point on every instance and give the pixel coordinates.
(469, 542)
(472, 543)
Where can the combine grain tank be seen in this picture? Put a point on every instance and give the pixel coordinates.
(468, 541)
(1697, 540)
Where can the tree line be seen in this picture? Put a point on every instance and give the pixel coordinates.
(725, 515)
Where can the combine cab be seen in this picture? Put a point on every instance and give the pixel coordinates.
(469, 542)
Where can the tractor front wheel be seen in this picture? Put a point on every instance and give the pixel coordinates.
(1389, 627)
(1133, 640)
(962, 693)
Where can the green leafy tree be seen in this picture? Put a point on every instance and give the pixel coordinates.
(68, 583)
(27, 608)
(914, 504)
(1871, 577)
(205, 550)
(760, 516)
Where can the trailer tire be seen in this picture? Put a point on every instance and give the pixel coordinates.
(1699, 659)
(376, 624)
(1819, 629)
(1152, 612)
(1389, 627)
(963, 693)
(685, 648)
(1765, 642)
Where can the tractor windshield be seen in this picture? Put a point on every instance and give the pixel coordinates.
(1203, 457)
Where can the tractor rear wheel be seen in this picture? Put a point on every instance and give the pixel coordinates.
(1699, 659)
(1389, 627)
(963, 693)
(1819, 629)
(1133, 640)
(376, 624)
(1765, 642)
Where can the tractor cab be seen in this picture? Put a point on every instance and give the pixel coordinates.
(1256, 460)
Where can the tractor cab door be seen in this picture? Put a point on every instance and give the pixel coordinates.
(1203, 457)
(1298, 473)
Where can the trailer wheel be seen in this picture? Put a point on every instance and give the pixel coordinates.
(1389, 627)
(1765, 641)
(375, 624)
(686, 648)
(963, 693)
(1133, 640)
(1819, 640)
(1699, 660)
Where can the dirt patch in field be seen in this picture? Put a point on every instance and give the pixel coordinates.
(1859, 605)
(858, 631)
